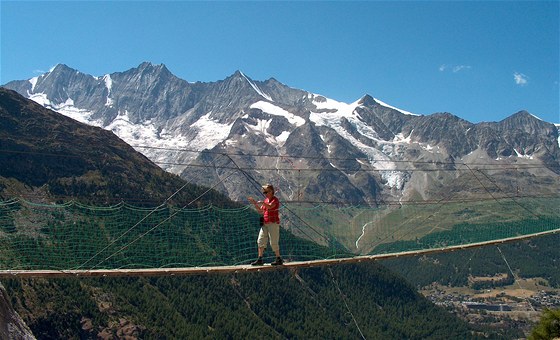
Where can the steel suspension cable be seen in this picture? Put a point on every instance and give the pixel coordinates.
(346, 304)
(439, 203)
(133, 227)
(510, 197)
(256, 184)
(162, 222)
(514, 277)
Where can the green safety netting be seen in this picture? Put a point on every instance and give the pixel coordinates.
(76, 236)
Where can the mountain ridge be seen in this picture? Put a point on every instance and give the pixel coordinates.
(179, 120)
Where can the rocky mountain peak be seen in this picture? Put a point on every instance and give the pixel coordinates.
(239, 79)
(61, 69)
(521, 116)
(240, 88)
(147, 67)
(54, 83)
(148, 64)
(147, 73)
(368, 100)
(445, 116)
(61, 72)
(238, 74)
(526, 122)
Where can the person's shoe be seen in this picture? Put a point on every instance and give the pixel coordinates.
(258, 262)
(278, 262)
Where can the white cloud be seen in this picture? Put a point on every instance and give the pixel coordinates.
(454, 68)
(458, 68)
(520, 79)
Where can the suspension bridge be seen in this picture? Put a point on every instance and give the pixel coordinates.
(76, 240)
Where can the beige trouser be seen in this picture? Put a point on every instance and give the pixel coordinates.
(269, 231)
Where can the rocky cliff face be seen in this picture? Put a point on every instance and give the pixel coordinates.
(312, 147)
(11, 324)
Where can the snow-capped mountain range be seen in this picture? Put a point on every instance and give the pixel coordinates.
(229, 132)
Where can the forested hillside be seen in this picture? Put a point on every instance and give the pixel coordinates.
(537, 257)
(338, 302)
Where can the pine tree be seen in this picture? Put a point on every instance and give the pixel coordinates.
(548, 327)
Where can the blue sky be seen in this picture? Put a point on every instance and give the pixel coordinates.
(480, 60)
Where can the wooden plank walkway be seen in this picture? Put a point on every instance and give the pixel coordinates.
(5, 274)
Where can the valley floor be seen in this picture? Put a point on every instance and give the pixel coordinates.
(516, 307)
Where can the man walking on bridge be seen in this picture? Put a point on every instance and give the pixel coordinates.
(270, 228)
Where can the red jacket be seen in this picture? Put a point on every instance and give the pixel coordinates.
(271, 214)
